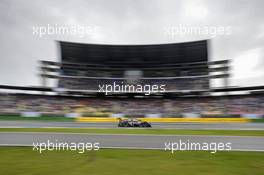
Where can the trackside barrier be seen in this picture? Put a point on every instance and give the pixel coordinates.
(72, 115)
(252, 116)
(168, 120)
(30, 114)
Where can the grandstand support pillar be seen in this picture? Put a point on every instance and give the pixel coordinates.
(226, 82)
(43, 83)
(43, 80)
(226, 79)
(225, 103)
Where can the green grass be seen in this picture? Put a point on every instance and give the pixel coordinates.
(42, 118)
(140, 131)
(257, 120)
(24, 161)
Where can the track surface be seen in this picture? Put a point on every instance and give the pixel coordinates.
(129, 141)
(218, 126)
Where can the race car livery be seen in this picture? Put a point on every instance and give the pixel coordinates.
(133, 123)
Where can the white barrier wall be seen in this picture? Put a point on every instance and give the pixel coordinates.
(191, 115)
(252, 116)
(153, 115)
(30, 114)
(119, 115)
(72, 115)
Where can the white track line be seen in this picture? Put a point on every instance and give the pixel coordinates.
(151, 135)
(138, 148)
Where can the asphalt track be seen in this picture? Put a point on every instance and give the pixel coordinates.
(130, 141)
(242, 143)
(217, 126)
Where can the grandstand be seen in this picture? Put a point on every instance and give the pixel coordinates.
(180, 67)
(184, 68)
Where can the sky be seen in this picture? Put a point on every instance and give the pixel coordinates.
(235, 29)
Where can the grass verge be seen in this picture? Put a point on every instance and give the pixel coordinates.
(140, 131)
(24, 161)
(42, 118)
(257, 120)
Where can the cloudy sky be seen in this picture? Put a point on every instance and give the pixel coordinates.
(240, 37)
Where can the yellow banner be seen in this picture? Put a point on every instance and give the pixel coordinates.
(167, 120)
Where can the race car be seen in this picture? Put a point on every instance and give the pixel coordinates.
(133, 123)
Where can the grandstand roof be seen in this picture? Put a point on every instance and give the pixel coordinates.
(155, 54)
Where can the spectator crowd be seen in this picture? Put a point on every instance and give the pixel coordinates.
(214, 105)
